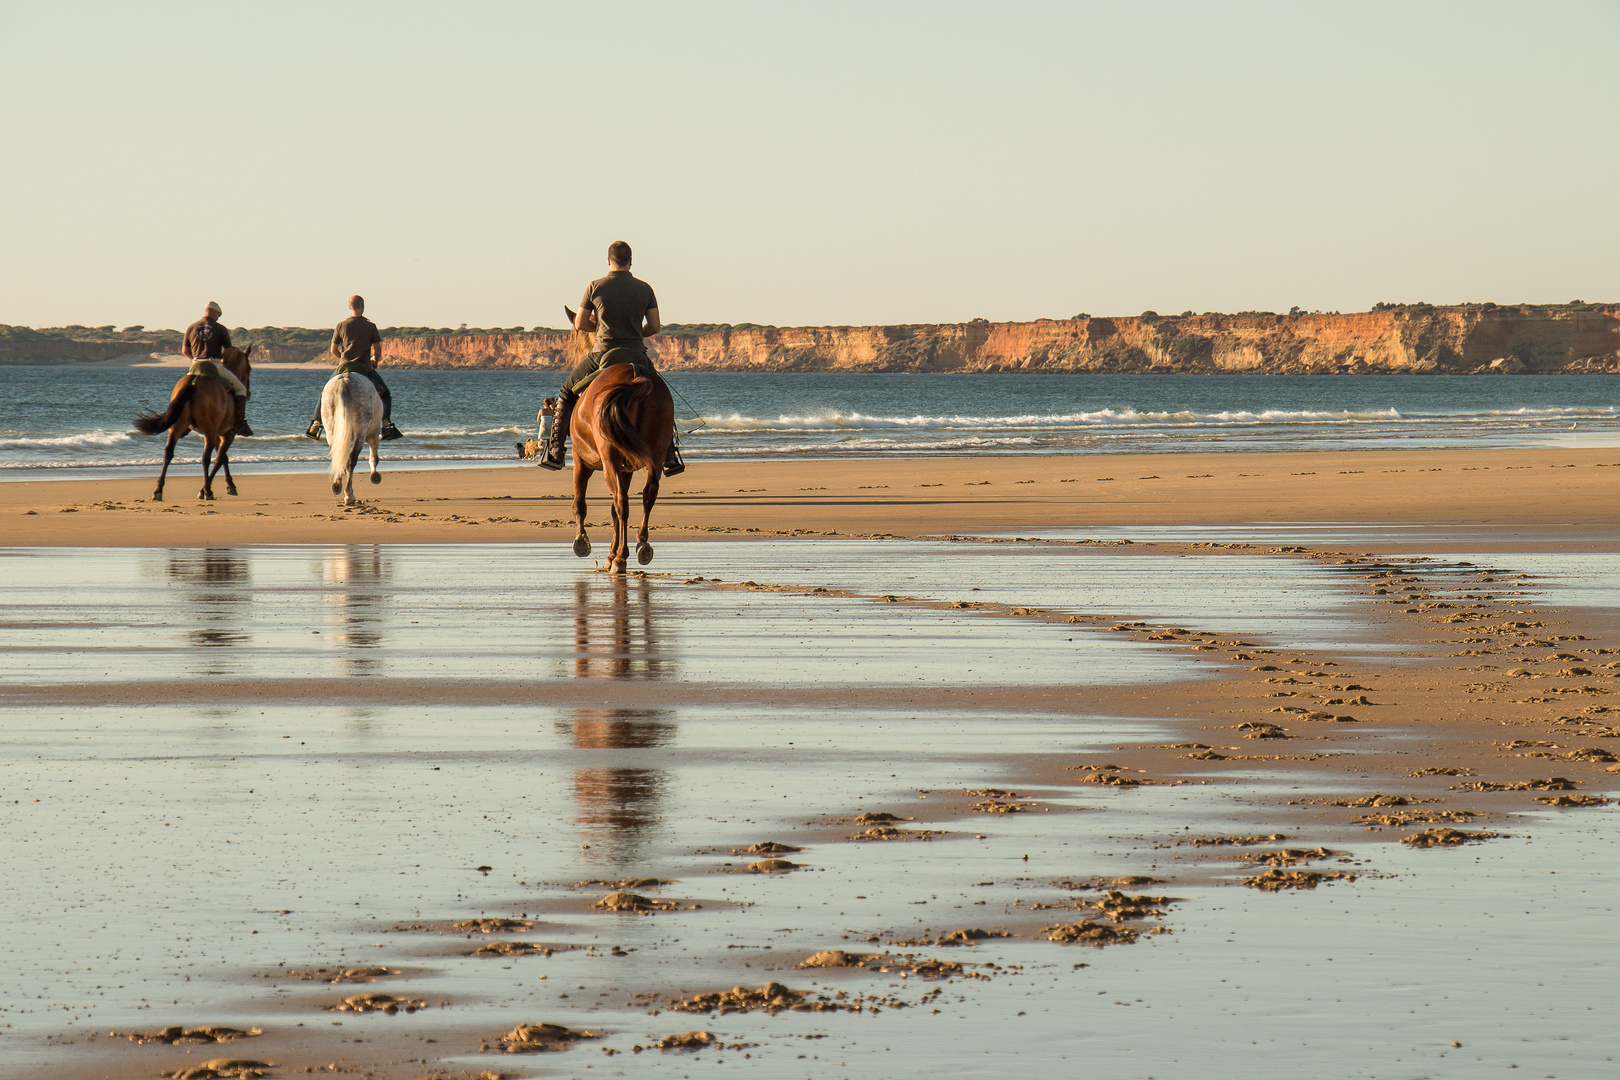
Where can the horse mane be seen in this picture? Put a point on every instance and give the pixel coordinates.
(579, 344)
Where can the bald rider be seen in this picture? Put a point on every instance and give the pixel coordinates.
(204, 345)
(623, 311)
(357, 346)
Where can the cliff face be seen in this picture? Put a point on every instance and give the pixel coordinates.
(1474, 338)
(1454, 340)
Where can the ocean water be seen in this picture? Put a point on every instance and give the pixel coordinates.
(78, 419)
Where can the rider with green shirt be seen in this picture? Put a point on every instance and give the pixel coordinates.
(623, 311)
(357, 345)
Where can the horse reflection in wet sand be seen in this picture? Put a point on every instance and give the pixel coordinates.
(623, 424)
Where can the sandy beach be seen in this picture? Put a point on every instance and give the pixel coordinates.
(1070, 744)
(912, 497)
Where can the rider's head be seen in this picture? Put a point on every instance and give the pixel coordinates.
(212, 311)
(357, 303)
(619, 255)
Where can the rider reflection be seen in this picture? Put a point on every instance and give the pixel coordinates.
(618, 805)
(221, 582)
(356, 578)
(617, 629)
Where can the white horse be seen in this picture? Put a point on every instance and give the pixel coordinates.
(351, 413)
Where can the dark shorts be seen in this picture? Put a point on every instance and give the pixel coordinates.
(590, 367)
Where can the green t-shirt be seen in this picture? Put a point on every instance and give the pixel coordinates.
(621, 302)
(354, 338)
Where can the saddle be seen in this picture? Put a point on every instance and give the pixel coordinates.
(211, 369)
(639, 360)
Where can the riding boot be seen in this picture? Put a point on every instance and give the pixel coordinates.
(241, 418)
(673, 465)
(389, 431)
(557, 448)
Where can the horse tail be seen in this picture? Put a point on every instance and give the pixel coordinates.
(619, 400)
(150, 423)
(343, 431)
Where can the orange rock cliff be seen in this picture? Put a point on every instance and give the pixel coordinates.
(1583, 338)
(1573, 337)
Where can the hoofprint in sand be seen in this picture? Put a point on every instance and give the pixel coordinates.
(661, 812)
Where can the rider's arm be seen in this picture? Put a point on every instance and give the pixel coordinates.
(585, 320)
(333, 351)
(653, 325)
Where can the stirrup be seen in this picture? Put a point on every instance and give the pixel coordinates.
(554, 458)
(673, 465)
(314, 431)
(389, 431)
(242, 428)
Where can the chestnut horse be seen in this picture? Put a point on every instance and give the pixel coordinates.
(624, 423)
(203, 404)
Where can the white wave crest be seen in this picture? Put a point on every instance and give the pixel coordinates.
(66, 442)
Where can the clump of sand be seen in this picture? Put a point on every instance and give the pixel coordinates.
(1275, 880)
(383, 1003)
(492, 926)
(1095, 934)
(178, 1034)
(1444, 837)
(629, 901)
(512, 948)
(540, 1039)
(342, 975)
(766, 847)
(1221, 841)
(221, 1069)
(771, 998)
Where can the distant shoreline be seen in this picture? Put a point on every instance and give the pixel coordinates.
(1418, 338)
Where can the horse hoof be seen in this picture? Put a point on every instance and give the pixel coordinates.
(582, 546)
(612, 566)
(157, 496)
(337, 489)
(206, 496)
(231, 490)
(644, 554)
(376, 478)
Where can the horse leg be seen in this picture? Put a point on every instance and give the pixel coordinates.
(619, 490)
(348, 474)
(582, 478)
(376, 477)
(649, 495)
(207, 491)
(225, 462)
(168, 456)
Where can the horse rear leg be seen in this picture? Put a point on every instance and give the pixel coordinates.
(619, 490)
(348, 473)
(168, 456)
(225, 462)
(582, 478)
(207, 491)
(376, 477)
(649, 495)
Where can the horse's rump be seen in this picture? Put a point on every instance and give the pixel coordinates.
(620, 428)
(351, 409)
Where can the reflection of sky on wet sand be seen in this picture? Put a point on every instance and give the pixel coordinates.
(162, 843)
(165, 837)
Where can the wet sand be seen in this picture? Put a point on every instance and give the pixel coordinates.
(1570, 488)
(1310, 809)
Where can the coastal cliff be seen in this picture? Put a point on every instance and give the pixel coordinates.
(1443, 340)
(1462, 339)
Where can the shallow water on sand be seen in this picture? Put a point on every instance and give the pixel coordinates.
(161, 857)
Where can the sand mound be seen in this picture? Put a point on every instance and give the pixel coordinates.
(511, 948)
(540, 1038)
(1119, 907)
(1090, 933)
(771, 998)
(1443, 837)
(178, 1034)
(342, 975)
(766, 847)
(837, 958)
(889, 832)
(1275, 880)
(687, 1040)
(491, 926)
(629, 901)
(221, 1069)
(1291, 856)
(1221, 841)
(383, 1003)
(1573, 800)
(770, 866)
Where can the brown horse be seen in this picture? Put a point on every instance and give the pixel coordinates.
(623, 424)
(205, 405)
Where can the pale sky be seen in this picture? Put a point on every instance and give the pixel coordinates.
(805, 163)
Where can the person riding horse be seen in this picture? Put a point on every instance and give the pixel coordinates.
(357, 345)
(204, 344)
(623, 311)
